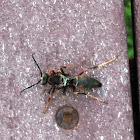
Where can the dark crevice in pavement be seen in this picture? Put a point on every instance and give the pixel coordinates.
(133, 64)
(135, 96)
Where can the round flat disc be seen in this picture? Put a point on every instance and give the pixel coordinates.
(67, 117)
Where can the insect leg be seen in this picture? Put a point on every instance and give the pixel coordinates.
(72, 66)
(105, 63)
(74, 88)
(64, 90)
(50, 95)
(61, 69)
(52, 71)
(98, 66)
(81, 72)
(50, 90)
(91, 97)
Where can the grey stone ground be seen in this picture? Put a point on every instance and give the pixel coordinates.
(63, 33)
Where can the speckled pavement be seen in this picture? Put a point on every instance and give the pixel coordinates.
(62, 32)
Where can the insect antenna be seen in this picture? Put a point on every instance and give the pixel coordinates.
(37, 65)
(40, 74)
(30, 86)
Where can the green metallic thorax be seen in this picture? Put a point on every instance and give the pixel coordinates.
(59, 80)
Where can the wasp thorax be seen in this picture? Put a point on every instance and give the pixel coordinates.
(44, 79)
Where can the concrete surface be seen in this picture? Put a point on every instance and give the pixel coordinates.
(63, 33)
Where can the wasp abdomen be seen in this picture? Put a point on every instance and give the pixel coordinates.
(86, 82)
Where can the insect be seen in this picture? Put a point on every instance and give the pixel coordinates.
(61, 80)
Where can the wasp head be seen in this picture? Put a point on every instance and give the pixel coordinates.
(44, 78)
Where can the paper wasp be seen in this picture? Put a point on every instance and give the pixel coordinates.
(61, 80)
